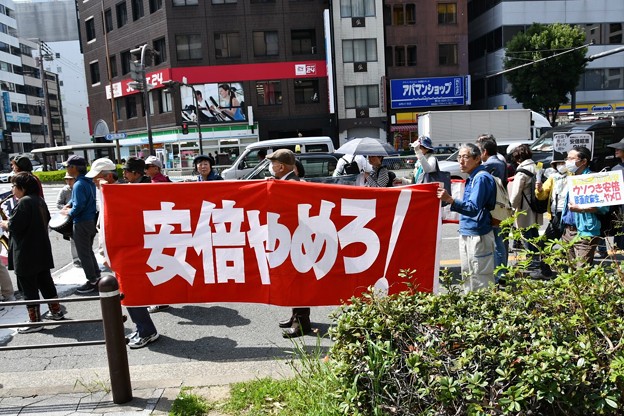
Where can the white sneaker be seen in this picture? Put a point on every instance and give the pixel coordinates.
(29, 329)
(139, 342)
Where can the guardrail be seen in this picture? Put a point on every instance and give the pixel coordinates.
(114, 338)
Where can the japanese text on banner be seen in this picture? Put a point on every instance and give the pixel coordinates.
(596, 189)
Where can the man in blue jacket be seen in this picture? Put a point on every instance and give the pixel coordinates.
(580, 221)
(476, 238)
(82, 210)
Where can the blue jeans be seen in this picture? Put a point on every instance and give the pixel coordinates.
(143, 321)
(501, 252)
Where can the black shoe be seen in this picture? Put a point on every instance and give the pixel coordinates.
(287, 323)
(87, 288)
(297, 330)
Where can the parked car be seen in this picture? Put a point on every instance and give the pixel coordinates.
(606, 131)
(451, 165)
(5, 177)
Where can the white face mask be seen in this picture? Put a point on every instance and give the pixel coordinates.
(271, 171)
(562, 169)
(571, 166)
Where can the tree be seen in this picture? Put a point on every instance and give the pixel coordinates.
(544, 86)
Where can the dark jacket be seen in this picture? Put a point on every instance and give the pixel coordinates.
(29, 243)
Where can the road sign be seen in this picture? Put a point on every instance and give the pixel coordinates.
(115, 136)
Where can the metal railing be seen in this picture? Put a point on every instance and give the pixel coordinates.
(114, 338)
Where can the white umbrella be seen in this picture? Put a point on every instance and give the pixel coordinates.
(366, 146)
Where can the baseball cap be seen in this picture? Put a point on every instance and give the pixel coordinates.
(136, 165)
(153, 160)
(284, 156)
(75, 160)
(23, 163)
(100, 165)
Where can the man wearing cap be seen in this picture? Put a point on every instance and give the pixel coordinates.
(283, 168)
(63, 199)
(153, 168)
(83, 211)
(134, 171)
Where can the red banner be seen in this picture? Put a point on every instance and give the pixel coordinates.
(275, 242)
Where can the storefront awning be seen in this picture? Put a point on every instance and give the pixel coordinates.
(404, 127)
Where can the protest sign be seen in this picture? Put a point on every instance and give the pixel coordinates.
(565, 141)
(596, 189)
(283, 243)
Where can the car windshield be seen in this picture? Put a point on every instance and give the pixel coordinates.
(543, 144)
(453, 156)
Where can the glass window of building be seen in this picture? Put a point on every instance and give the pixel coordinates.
(306, 91)
(303, 41)
(131, 106)
(137, 9)
(224, 1)
(359, 50)
(122, 14)
(188, 47)
(362, 96)
(125, 58)
(265, 43)
(447, 13)
(94, 70)
(615, 33)
(399, 56)
(403, 14)
(185, 2)
(165, 102)
(160, 46)
(112, 60)
(118, 109)
(108, 20)
(155, 5)
(411, 55)
(227, 45)
(90, 29)
(447, 54)
(269, 92)
(357, 8)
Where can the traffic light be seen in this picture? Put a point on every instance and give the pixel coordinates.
(184, 128)
(137, 71)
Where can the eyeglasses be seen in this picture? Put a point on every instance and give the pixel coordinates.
(463, 157)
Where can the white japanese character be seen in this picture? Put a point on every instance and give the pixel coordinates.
(364, 210)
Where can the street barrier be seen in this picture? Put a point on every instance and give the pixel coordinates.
(114, 339)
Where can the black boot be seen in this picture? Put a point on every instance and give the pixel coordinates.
(300, 326)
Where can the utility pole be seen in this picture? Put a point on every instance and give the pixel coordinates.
(137, 73)
(46, 53)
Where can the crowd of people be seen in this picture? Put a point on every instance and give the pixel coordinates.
(483, 247)
(481, 243)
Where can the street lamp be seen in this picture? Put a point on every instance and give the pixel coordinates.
(137, 69)
(171, 85)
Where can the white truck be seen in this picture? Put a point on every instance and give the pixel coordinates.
(464, 126)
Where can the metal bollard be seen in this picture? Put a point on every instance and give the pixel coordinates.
(110, 302)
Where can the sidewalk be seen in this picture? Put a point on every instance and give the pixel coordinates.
(87, 390)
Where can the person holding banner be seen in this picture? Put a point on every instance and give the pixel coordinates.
(204, 170)
(577, 220)
(618, 238)
(283, 168)
(476, 238)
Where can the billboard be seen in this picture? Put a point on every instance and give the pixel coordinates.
(216, 103)
(429, 92)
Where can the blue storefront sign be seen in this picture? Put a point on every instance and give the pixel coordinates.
(429, 92)
(6, 101)
(17, 118)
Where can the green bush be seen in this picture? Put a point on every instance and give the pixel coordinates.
(59, 175)
(532, 348)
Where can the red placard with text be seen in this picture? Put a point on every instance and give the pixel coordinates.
(282, 243)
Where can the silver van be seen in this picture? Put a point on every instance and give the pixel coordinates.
(254, 153)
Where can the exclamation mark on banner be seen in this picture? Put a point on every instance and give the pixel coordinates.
(381, 285)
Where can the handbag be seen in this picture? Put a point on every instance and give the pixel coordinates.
(438, 176)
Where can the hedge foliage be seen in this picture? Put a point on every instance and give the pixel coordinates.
(531, 348)
(59, 175)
